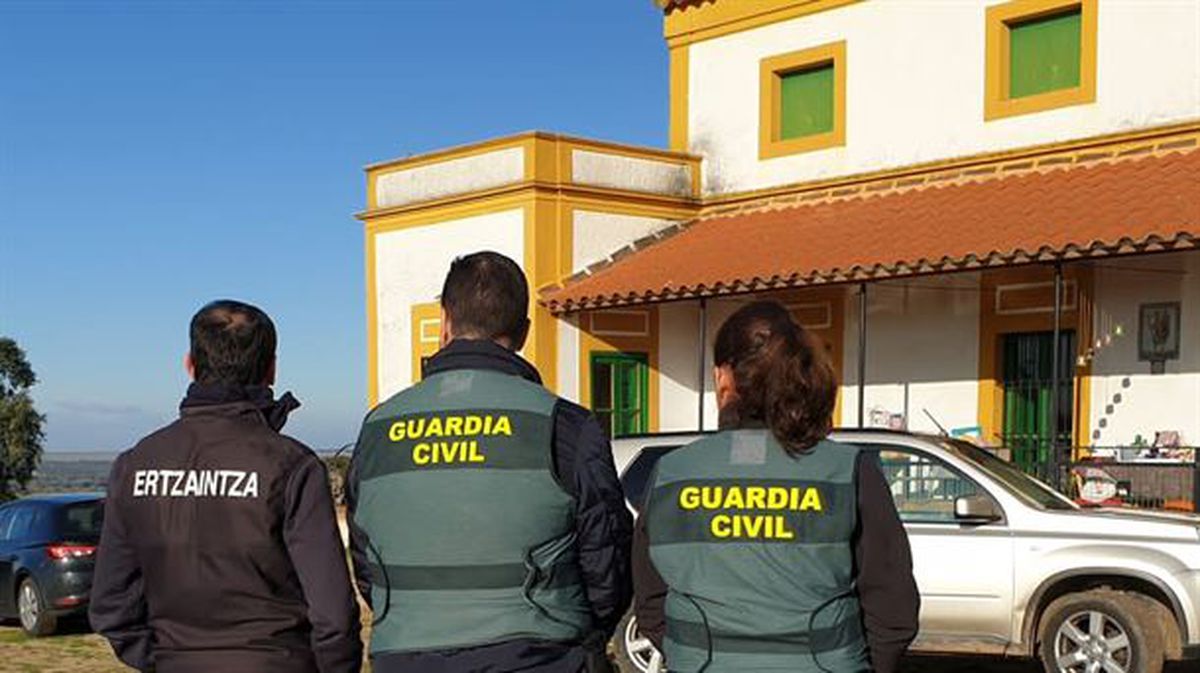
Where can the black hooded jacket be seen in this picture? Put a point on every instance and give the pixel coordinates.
(220, 549)
(583, 463)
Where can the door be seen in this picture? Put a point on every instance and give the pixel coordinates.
(1028, 366)
(964, 571)
(7, 558)
(620, 392)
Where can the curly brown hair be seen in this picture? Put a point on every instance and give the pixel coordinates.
(782, 377)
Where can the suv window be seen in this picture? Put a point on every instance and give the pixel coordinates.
(923, 487)
(637, 476)
(80, 522)
(6, 515)
(23, 523)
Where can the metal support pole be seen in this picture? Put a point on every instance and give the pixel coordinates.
(1056, 462)
(862, 355)
(701, 374)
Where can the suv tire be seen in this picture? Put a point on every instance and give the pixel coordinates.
(34, 614)
(1097, 626)
(636, 653)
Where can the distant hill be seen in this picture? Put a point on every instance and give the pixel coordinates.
(74, 471)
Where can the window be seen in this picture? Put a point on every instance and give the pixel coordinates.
(81, 522)
(923, 487)
(23, 523)
(620, 391)
(636, 478)
(426, 335)
(803, 101)
(6, 516)
(1041, 54)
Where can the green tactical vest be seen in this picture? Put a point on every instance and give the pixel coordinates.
(472, 536)
(756, 547)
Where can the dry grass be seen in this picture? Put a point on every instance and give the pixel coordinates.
(73, 652)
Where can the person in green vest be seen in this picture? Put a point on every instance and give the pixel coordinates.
(766, 546)
(488, 526)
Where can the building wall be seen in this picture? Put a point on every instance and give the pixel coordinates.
(410, 266)
(679, 366)
(915, 87)
(599, 234)
(922, 353)
(1127, 399)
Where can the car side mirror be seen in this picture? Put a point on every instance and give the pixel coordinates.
(978, 509)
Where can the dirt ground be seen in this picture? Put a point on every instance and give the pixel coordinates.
(77, 651)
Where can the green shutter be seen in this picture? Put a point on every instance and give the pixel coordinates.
(1044, 54)
(620, 392)
(806, 99)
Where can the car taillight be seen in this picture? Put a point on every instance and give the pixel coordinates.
(59, 552)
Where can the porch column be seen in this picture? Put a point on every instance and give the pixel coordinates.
(1056, 381)
(862, 355)
(700, 365)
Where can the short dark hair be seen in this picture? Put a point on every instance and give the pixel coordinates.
(486, 296)
(233, 343)
(781, 375)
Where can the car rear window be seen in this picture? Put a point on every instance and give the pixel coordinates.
(637, 475)
(81, 521)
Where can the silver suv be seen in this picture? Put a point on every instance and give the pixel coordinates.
(1007, 566)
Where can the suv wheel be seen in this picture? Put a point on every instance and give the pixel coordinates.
(1100, 631)
(637, 652)
(36, 620)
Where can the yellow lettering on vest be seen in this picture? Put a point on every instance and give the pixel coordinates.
(435, 427)
(396, 432)
(710, 498)
(421, 454)
(416, 428)
(721, 526)
(473, 425)
(753, 524)
(733, 499)
(476, 456)
(781, 530)
(756, 497)
(454, 425)
(777, 497)
(812, 500)
(689, 497)
(503, 427)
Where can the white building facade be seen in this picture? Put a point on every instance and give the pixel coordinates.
(946, 169)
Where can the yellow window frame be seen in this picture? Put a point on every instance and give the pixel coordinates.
(771, 70)
(426, 334)
(997, 102)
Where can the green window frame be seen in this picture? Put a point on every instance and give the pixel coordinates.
(621, 392)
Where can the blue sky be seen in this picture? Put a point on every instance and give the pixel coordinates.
(155, 155)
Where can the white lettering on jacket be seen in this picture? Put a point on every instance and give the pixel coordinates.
(195, 484)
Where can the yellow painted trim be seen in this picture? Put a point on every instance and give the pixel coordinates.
(683, 26)
(997, 103)
(680, 72)
(770, 71)
(590, 343)
(1113, 142)
(547, 259)
(419, 313)
(372, 323)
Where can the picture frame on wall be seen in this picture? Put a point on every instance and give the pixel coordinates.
(1158, 331)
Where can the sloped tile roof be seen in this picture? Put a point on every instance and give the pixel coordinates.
(1138, 203)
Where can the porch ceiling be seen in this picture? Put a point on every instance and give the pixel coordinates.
(1131, 204)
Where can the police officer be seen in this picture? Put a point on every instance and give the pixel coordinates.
(768, 547)
(220, 549)
(489, 530)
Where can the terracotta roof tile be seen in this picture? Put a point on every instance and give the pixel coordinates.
(1120, 206)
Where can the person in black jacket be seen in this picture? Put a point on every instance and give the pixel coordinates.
(220, 548)
(498, 541)
(776, 394)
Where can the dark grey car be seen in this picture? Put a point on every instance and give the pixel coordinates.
(47, 552)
